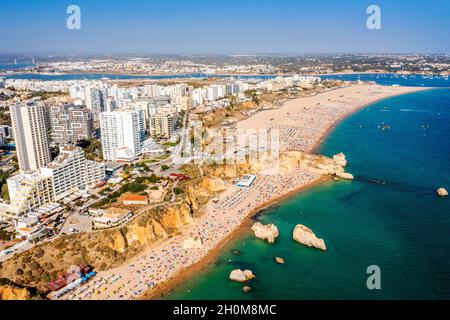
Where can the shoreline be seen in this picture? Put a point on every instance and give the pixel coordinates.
(182, 276)
(166, 288)
(344, 117)
(308, 121)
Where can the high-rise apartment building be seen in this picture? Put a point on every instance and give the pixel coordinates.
(96, 101)
(122, 134)
(70, 123)
(30, 135)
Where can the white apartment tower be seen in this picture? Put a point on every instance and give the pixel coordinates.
(122, 134)
(96, 101)
(30, 136)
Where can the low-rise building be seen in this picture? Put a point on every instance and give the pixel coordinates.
(111, 217)
(162, 125)
(247, 180)
(130, 200)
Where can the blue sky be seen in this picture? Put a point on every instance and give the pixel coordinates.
(224, 26)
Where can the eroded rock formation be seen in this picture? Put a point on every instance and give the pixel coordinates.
(8, 292)
(305, 236)
(241, 276)
(441, 192)
(265, 232)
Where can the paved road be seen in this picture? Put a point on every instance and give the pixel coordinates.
(77, 222)
(18, 248)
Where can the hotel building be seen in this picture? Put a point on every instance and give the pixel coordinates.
(71, 171)
(29, 191)
(68, 173)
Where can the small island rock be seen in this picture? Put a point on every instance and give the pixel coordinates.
(304, 235)
(246, 289)
(241, 276)
(265, 232)
(441, 192)
(280, 260)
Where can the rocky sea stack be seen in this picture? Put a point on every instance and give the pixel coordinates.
(304, 235)
(280, 260)
(265, 232)
(241, 276)
(441, 192)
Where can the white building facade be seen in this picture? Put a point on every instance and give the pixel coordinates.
(30, 135)
(122, 134)
(71, 171)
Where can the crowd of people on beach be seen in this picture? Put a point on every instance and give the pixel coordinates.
(164, 260)
(161, 262)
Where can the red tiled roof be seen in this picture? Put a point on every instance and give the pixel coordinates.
(133, 197)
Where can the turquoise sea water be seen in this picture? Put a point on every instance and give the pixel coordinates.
(389, 216)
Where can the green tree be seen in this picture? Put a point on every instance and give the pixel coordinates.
(233, 102)
(5, 192)
(178, 190)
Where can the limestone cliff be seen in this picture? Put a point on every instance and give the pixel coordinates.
(109, 248)
(214, 184)
(12, 291)
(285, 163)
(8, 292)
(441, 192)
(119, 243)
(103, 250)
(144, 235)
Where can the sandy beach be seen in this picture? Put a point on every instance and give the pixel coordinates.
(303, 124)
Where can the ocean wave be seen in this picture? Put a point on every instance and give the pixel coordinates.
(414, 110)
